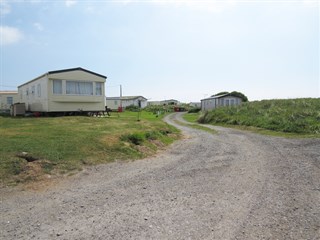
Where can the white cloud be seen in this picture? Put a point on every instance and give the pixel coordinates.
(4, 8)
(38, 26)
(9, 35)
(70, 3)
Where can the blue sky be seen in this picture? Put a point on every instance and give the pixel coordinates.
(185, 50)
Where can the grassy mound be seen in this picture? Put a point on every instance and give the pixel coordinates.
(292, 115)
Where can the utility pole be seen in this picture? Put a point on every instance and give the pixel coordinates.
(139, 109)
(121, 97)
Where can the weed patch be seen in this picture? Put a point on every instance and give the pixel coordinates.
(139, 138)
(135, 138)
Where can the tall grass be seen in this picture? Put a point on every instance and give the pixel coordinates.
(292, 115)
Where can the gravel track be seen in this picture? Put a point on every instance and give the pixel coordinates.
(230, 185)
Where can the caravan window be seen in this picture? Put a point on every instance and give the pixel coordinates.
(57, 86)
(9, 100)
(39, 90)
(79, 88)
(98, 88)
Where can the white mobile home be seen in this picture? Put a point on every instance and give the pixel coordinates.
(195, 104)
(126, 101)
(169, 102)
(163, 102)
(219, 101)
(7, 98)
(154, 103)
(68, 90)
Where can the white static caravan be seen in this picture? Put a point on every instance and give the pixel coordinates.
(195, 104)
(154, 103)
(172, 102)
(169, 102)
(126, 101)
(7, 98)
(68, 90)
(219, 101)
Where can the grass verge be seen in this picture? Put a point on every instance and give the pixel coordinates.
(65, 144)
(190, 117)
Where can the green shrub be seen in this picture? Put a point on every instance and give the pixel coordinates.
(158, 108)
(194, 110)
(133, 108)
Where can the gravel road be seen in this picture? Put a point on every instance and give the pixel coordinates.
(230, 185)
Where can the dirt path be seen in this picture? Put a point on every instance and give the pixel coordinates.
(231, 185)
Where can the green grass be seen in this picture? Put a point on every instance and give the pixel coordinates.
(293, 116)
(65, 144)
(191, 117)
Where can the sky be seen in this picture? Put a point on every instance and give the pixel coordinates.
(166, 49)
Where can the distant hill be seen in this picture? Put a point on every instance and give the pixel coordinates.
(290, 115)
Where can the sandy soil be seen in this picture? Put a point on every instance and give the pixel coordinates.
(231, 185)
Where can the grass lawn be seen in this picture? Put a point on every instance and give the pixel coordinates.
(66, 144)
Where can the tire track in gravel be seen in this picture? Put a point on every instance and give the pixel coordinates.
(230, 185)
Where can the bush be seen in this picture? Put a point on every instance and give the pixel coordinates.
(133, 108)
(194, 110)
(159, 108)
